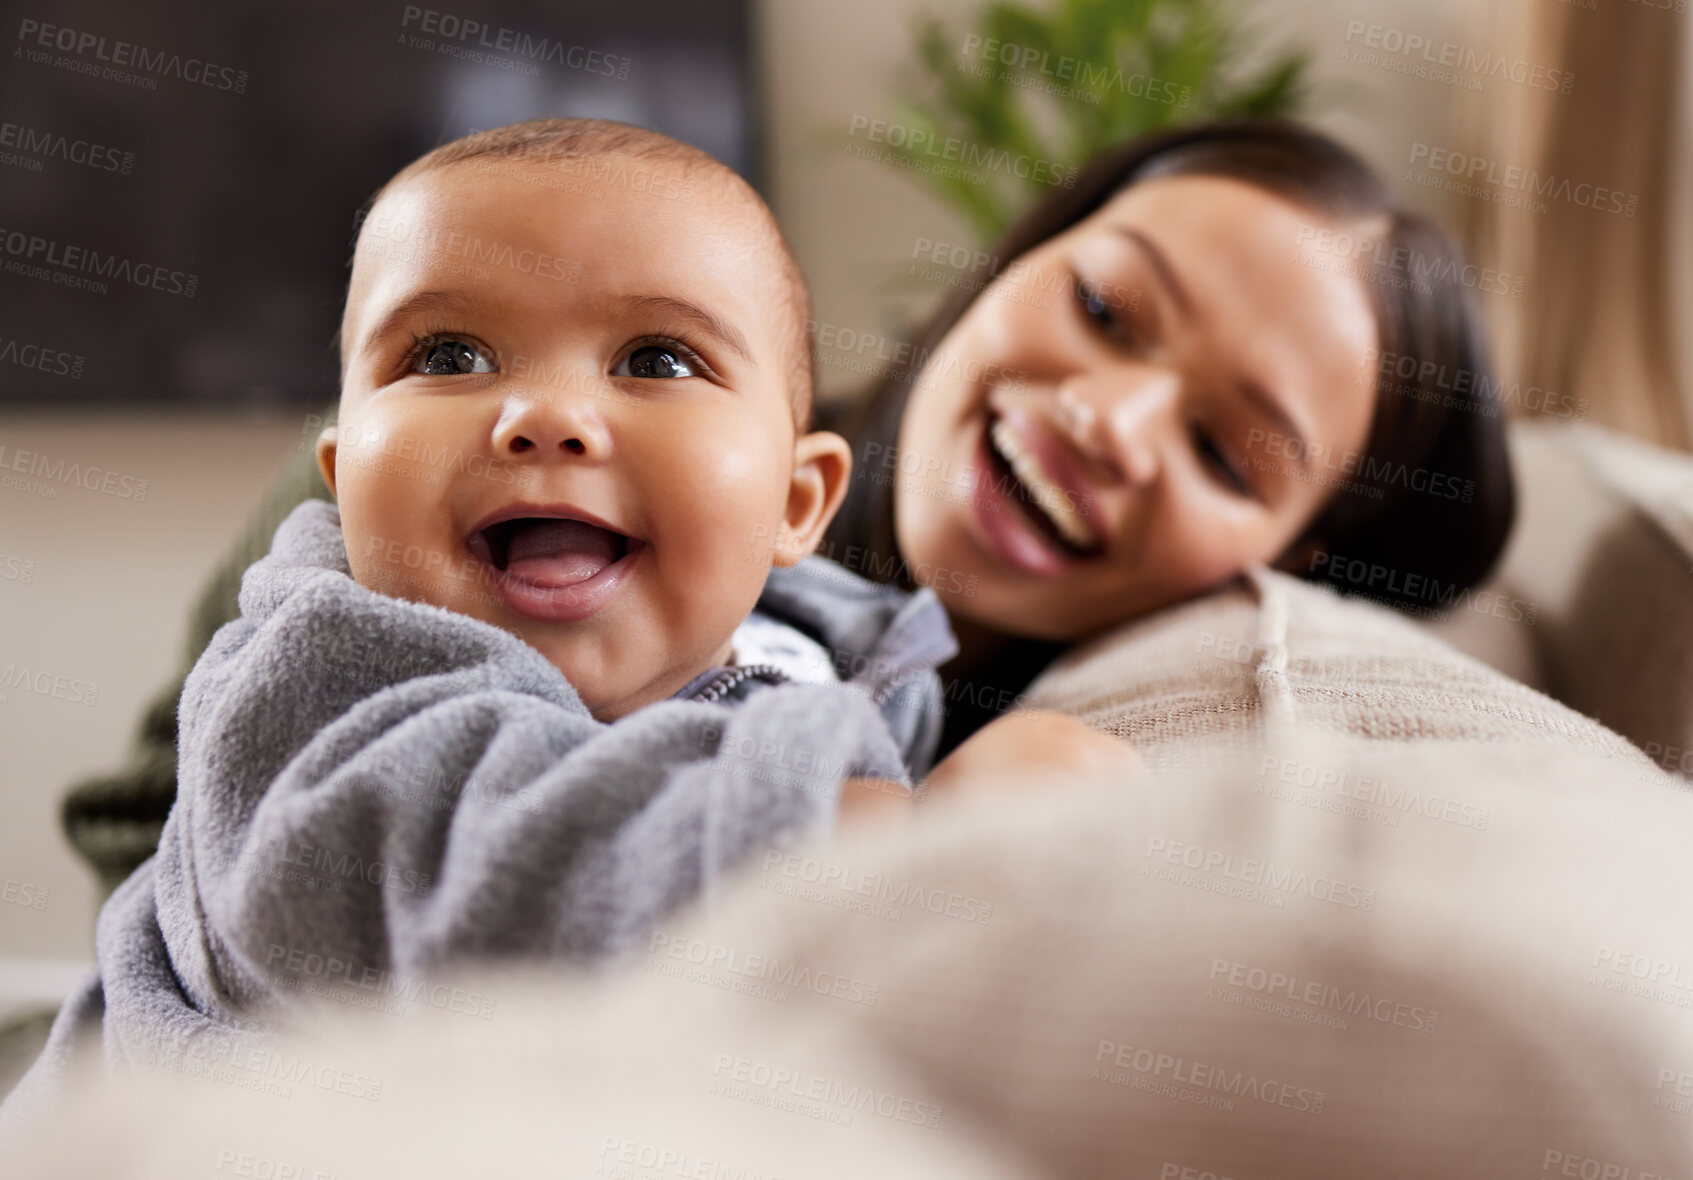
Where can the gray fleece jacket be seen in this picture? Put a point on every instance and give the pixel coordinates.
(371, 788)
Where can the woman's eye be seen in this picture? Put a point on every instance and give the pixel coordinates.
(1098, 309)
(1218, 461)
(653, 360)
(441, 358)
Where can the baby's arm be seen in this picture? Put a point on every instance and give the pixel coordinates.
(393, 787)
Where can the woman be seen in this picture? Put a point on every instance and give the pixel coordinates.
(1168, 373)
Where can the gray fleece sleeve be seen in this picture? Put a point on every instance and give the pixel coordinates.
(391, 787)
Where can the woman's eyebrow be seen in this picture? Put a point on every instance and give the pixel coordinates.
(700, 318)
(1266, 402)
(1160, 266)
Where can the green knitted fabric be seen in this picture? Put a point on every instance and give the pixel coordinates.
(22, 1038)
(113, 820)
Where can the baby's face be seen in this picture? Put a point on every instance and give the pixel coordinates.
(566, 411)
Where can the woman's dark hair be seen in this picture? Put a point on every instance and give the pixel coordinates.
(1424, 512)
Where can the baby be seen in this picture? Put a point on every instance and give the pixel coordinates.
(613, 379)
(557, 658)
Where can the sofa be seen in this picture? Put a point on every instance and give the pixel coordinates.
(1515, 763)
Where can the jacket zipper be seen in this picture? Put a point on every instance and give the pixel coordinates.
(729, 678)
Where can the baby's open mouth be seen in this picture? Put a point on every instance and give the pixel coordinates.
(548, 551)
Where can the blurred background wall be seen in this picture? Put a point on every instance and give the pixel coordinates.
(95, 585)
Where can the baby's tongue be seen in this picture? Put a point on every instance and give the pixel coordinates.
(560, 552)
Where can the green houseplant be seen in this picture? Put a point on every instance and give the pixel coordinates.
(1005, 104)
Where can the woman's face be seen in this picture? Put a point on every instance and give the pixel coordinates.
(1110, 427)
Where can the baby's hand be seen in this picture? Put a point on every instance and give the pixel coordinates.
(1020, 747)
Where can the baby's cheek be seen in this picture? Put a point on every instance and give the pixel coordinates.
(730, 551)
(359, 531)
(390, 553)
(734, 493)
(370, 496)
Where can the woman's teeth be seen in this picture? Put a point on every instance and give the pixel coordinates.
(1043, 492)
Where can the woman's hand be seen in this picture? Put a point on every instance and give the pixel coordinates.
(1007, 753)
(1034, 745)
(870, 798)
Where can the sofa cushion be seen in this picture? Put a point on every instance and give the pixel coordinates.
(1603, 548)
(1166, 977)
(1273, 650)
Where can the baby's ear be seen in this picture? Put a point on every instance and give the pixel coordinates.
(822, 468)
(326, 444)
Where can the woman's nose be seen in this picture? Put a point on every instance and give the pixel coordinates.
(1122, 420)
(543, 422)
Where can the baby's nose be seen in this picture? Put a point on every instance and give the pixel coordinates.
(553, 425)
(575, 446)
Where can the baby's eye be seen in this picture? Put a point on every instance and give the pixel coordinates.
(653, 360)
(449, 356)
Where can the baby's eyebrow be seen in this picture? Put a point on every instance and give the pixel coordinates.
(420, 303)
(698, 316)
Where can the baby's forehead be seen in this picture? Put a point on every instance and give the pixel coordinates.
(606, 221)
(624, 199)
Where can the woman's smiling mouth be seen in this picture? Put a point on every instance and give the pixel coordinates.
(1025, 501)
(1054, 506)
(1030, 520)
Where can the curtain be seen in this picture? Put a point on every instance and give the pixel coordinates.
(1603, 323)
